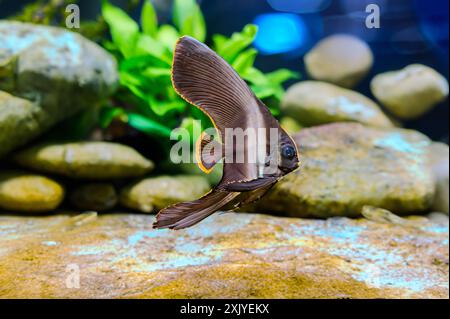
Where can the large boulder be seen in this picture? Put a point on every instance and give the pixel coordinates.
(410, 92)
(29, 193)
(226, 256)
(154, 193)
(314, 102)
(59, 71)
(341, 59)
(85, 160)
(345, 166)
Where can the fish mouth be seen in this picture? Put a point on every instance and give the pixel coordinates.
(288, 170)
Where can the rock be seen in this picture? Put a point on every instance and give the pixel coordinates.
(313, 103)
(19, 121)
(341, 59)
(345, 166)
(29, 193)
(439, 156)
(88, 160)
(233, 255)
(94, 197)
(154, 193)
(410, 92)
(380, 215)
(437, 217)
(59, 71)
(290, 125)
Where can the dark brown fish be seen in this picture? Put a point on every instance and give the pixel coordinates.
(204, 79)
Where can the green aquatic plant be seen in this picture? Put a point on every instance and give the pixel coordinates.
(145, 99)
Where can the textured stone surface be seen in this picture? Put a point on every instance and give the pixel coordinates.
(17, 113)
(89, 160)
(340, 59)
(226, 256)
(154, 193)
(439, 154)
(314, 102)
(410, 92)
(60, 71)
(345, 166)
(26, 192)
(95, 196)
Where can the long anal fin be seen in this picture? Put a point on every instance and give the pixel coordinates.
(186, 214)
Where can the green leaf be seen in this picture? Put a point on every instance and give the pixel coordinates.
(219, 42)
(147, 45)
(282, 75)
(255, 76)
(157, 72)
(189, 19)
(244, 61)
(161, 108)
(149, 20)
(108, 114)
(127, 79)
(138, 63)
(238, 42)
(124, 30)
(147, 125)
(263, 91)
(168, 36)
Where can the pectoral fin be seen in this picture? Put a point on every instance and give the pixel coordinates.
(208, 152)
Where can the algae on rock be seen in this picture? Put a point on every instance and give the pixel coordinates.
(59, 72)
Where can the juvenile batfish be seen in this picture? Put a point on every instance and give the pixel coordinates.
(204, 79)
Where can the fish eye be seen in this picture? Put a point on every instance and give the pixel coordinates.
(288, 152)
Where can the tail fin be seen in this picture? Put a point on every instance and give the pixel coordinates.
(183, 215)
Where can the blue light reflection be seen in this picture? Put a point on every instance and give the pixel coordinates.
(281, 33)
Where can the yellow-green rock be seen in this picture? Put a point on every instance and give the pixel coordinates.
(410, 92)
(87, 160)
(154, 193)
(290, 125)
(314, 103)
(232, 255)
(345, 166)
(28, 193)
(341, 59)
(54, 73)
(95, 197)
(19, 121)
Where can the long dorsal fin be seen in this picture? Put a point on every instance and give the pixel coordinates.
(207, 81)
